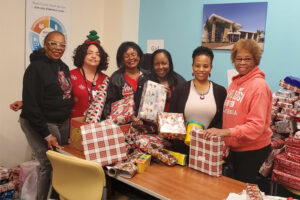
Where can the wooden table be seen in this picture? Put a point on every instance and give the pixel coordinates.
(178, 182)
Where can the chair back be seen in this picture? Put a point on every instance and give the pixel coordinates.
(74, 178)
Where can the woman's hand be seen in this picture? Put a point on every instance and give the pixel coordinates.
(17, 105)
(208, 133)
(168, 91)
(51, 140)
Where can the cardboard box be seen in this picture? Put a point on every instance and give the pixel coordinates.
(143, 162)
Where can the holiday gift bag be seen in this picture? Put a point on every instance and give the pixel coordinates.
(75, 132)
(153, 100)
(122, 111)
(94, 111)
(103, 142)
(171, 125)
(206, 154)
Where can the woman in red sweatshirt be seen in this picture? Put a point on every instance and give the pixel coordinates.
(246, 113)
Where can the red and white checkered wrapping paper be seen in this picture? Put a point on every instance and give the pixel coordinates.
(4, 173)
(285, 85)
(122, 111)
(283, 164)
(94, 111)
(171, 124)
(153, 101)
(103, 142)
(206, 155)
(286, 179)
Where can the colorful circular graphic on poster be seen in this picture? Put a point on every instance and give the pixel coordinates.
(41, 27)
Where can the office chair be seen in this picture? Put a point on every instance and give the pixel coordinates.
(74, 178)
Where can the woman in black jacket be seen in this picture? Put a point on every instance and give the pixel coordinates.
(200, 99)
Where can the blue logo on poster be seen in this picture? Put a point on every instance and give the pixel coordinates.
(41, 27)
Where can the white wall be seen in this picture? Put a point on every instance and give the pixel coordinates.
(114, 20)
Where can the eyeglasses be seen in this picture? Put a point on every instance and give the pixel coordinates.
(53, 44)
(128, 56)
(247, 60)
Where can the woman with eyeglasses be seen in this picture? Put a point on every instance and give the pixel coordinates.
(247, 113)
(47, 104)
(200, 99)
(90, 59)
(128, 79)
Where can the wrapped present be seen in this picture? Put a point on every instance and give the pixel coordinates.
(292, 149)
(284, 105)
(253, 192)
(190, 125)
(277, 143)
(7, 186)
(143, 141)
(284, 93)
(206, 155)
(103, 142)
(153, 101)
(293, 157)
(75, 132)
(289, 111)
(281, 116)
(274, 100)
(8, 195)
(290, 99)
(285, 85)
(286, 179)
(283, 164)
(297, 105)
(297, 135)
(122, 111)
(292, 141)
(181, 158)
(283, 126)
(162, 155)
(267, 166)
(292, 80)
(171, 125)
(4, 173)
(143, 162)
(94, 111)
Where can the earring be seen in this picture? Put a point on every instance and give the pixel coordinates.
(193, 74)
(209, 74)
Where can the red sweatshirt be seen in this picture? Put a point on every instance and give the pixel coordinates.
(247, 112)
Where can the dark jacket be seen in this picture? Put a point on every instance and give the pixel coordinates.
(115, 87)
(42, 96)
(178, 103)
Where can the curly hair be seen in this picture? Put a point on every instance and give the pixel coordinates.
(249, 45)
(81, 51)
(203, 51)
(123, 48)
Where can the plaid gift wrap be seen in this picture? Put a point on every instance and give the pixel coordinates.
(206, 154)
(4, 173)
(122, 111)
(94, 111)
(153, 100)
(171, 124)
(285, 85)
(103, 142)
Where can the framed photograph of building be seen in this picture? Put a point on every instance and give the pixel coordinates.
(225, 24)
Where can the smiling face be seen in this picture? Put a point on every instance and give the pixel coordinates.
(161, 65)
(55, 46)
(244, 62)
(202, 67)
(131, 58)
(92, 57)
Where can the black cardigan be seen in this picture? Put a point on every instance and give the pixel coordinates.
(178, 102)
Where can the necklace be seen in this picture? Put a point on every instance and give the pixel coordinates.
(202, 95)
(90, 94)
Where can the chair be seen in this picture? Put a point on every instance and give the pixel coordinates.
(74, 178)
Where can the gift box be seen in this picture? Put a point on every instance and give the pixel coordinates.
(171, 125)
(283, 126)
(181, 158)
(103, 142)
(4, 173)
(289, 111)
(75, 132)
(285, 85)
(286, 179)
(292, 149)
(297, 105)
(284, 105)
(277, 143)
(122, 111)
(94, 111)
(284, 99)
(293, 157)
(206, 155)
(283, 164)
(7, 186)
(253, 192)
(291, 141)
(281, 116)
(285, 93)
(153, 101)
(143, 162)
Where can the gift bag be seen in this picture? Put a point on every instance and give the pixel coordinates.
(94, 111)
(153, 100)
(75, 132)
(171, 124)
(206, 155)
(103, 142)
(122, 111)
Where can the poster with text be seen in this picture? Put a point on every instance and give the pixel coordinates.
(42, 17)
